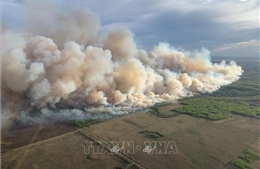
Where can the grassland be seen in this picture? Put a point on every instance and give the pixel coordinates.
(201, 143)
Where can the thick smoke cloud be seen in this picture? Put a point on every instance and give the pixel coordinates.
(64, 62)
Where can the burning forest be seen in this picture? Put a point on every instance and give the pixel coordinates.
(68, 67)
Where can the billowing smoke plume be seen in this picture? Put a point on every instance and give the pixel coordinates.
(64, 62)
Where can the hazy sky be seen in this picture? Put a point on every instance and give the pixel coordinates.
(225, 27)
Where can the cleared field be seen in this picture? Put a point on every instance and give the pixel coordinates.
(15, 136)
(62, 152)
(200, 143)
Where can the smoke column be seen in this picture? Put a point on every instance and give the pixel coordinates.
(65, 63)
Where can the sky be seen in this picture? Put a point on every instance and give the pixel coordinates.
(225, 27)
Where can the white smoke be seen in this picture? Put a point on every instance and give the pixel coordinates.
(65, 62)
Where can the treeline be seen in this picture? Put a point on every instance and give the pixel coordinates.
(151, 134)
(216, 108)
(244, 160)
(155, 110)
